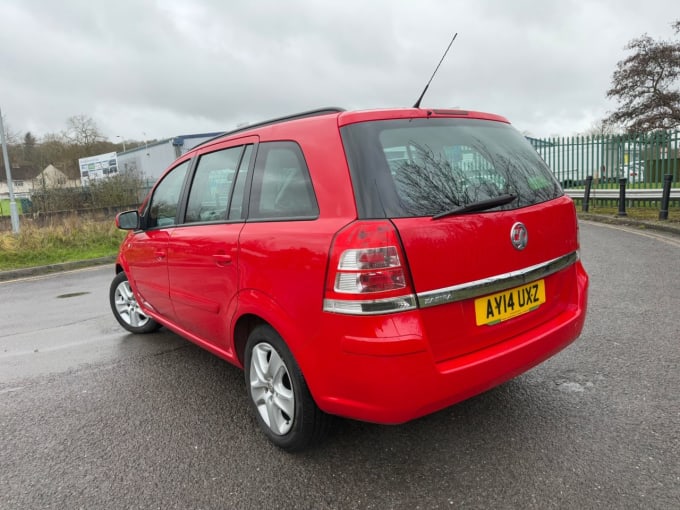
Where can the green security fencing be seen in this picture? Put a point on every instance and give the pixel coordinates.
(641, 159)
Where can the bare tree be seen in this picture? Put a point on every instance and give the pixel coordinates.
(11, 136)
(82, 130)
(646, 85)
(604, 127)
(52, 149)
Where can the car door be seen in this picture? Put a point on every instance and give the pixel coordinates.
(146, 252)
(203, 251)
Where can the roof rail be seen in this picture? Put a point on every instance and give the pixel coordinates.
(302, 115)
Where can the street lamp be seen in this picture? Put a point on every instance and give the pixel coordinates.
(14, 215)
(122, 140)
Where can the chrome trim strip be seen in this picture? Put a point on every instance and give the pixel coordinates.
(371, 306)
(495, 283)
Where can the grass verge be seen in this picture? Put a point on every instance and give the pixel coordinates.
(637, 213)
(66, 240)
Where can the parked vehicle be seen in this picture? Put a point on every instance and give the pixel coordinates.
(633, 171)
(571, 177)
(376, 265)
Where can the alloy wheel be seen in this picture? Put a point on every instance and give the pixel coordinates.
(127, 307)
(271, 389)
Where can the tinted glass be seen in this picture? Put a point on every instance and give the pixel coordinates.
(238, 196)
(211, 187)
(424, 167)
(163, 205)
(282, 188)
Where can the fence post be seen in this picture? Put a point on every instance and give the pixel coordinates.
(665, 197)
(586, 193)
(622, 197)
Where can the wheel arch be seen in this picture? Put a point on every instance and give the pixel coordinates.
(257, 308)
(245, 324)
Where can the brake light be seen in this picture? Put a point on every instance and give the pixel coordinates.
(367, 272)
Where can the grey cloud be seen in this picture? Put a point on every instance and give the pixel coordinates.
(168, 67)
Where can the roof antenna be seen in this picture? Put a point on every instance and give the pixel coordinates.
(417, 105)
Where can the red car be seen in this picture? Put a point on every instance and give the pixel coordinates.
(376, 265)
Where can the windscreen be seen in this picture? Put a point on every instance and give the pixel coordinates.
(428, 167)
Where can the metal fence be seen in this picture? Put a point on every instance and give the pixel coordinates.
(641, 159)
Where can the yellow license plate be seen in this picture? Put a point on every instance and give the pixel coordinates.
(510, 303)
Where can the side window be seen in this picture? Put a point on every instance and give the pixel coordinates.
(282, 187)
(236, 205)
(163, 205)
(212, 184)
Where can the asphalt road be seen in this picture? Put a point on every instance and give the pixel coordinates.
(91, 417)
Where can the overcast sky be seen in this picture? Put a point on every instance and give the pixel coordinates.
(155, 69)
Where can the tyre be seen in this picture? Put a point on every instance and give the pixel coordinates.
(126, 309)
(278, 393)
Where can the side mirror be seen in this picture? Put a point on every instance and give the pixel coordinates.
(128, 220)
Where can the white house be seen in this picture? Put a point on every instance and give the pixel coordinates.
(27, 179)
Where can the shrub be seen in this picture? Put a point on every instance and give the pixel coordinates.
(120, 190)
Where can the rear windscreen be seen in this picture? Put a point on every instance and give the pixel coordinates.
(425, 167)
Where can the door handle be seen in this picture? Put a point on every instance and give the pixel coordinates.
(160, 254)
(222, 259)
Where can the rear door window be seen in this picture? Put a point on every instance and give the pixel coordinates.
(238, 195)
(211, 189)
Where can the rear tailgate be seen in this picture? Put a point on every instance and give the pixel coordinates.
(457, 260)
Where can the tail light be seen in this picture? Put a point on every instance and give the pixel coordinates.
(367, 272)
(578, 233)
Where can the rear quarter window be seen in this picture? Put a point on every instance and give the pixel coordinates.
(282, 188)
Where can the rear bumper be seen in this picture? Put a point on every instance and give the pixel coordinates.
(394, 379)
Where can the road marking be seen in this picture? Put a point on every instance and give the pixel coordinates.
(667, 238)
(52, 348)
(11, 390)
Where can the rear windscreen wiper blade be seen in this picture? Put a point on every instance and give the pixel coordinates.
(482, 205)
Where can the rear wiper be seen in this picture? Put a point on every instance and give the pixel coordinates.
(482, 205)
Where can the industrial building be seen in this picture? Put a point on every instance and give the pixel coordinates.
(148, 160)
